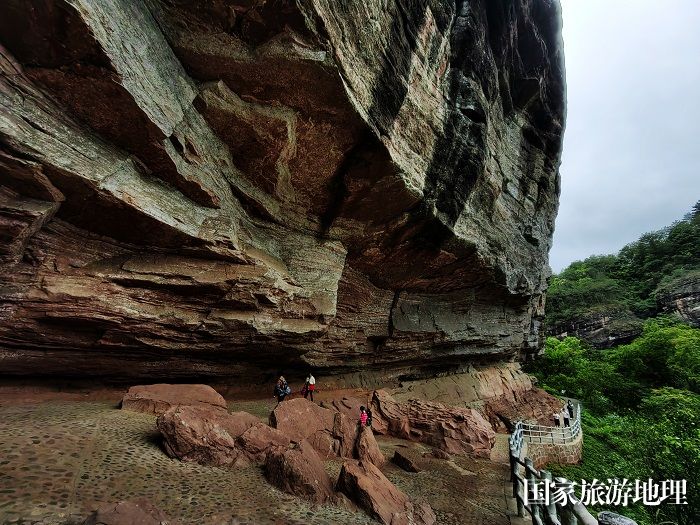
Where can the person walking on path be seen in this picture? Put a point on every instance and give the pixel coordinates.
(565, 414)
(570, 408)
(556, 420)
(309, 386)
(282, 389)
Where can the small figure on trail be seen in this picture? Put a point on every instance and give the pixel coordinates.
(556, 420)
(570, 408)
(363, 416)
(309, 386)
(368, 423)
(567, 420)
(282, 389)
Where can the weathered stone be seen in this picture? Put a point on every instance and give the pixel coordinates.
(138, 512)
(503, 393)
(404, 462)
(157, 399)
(211, 436)
(454, 430)
(365, 485)
(367, 449)
(299, 471)
(331, 433)
(681, 297)
(230, 191)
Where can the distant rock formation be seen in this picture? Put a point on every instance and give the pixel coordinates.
(220, 189)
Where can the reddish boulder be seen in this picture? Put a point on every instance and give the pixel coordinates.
(157, 399)
(211, 436)
(299, 471)
(532, 405)
(331, 433)
(404, 462)
(367, 449)
(257, 440)
(139, 512)
(365, 485)
(451, 429)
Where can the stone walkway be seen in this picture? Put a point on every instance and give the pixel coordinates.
(60, 459)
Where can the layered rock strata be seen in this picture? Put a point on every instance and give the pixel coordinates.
(217, 189)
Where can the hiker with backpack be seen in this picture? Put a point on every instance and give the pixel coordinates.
(282, 389)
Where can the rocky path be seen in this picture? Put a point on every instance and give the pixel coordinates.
(60, 458)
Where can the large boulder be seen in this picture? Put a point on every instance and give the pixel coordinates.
(138, 512)
(157, 399)
(331, 433)
(211, 436)
(365, 485)
(451, 429)
(367, 448)
(299, 471)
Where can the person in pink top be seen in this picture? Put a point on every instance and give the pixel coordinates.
(363, 416)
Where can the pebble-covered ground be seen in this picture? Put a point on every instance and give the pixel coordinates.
(61, 459)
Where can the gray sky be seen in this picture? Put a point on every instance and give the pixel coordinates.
(631, 160)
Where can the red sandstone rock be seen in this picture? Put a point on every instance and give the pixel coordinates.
(440, 454)
(367, 449)
(157, 399)
(299, 471)
(404, 462)
(258, 439)
(212, 436)
(451, 429)
(139, 512)
(534, 404)
(366, 486)
(331, 433)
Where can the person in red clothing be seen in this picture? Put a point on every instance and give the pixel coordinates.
(309, 386)
(363, 416)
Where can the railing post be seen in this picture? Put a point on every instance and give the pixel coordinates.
(550, 506)
(532, 480)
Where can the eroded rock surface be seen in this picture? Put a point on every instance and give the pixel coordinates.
(215, 190)
(299, 471)
(365, 485)
(159, 398)
(331, 433)
(503, 394)
(451, 429)
(139, 512)
(211, 436)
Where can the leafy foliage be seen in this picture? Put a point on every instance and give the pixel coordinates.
(642, 417)
(626, 283)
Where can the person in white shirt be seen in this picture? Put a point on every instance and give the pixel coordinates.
(309, 386)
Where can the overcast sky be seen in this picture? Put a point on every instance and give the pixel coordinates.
(631, 160)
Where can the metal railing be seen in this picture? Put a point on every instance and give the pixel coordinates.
(534, 433)
(523, 473)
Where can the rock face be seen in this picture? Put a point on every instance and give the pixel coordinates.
(331, 433)
(601, 329)
(451, 429)
(367, 448)
(211, 436)
(299, 471)
(503, 394)
(157, 399)
(366, 486)
(140, 512)
(196, 190)
(682, 298)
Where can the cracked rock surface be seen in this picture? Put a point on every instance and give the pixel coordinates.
(224, 188)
